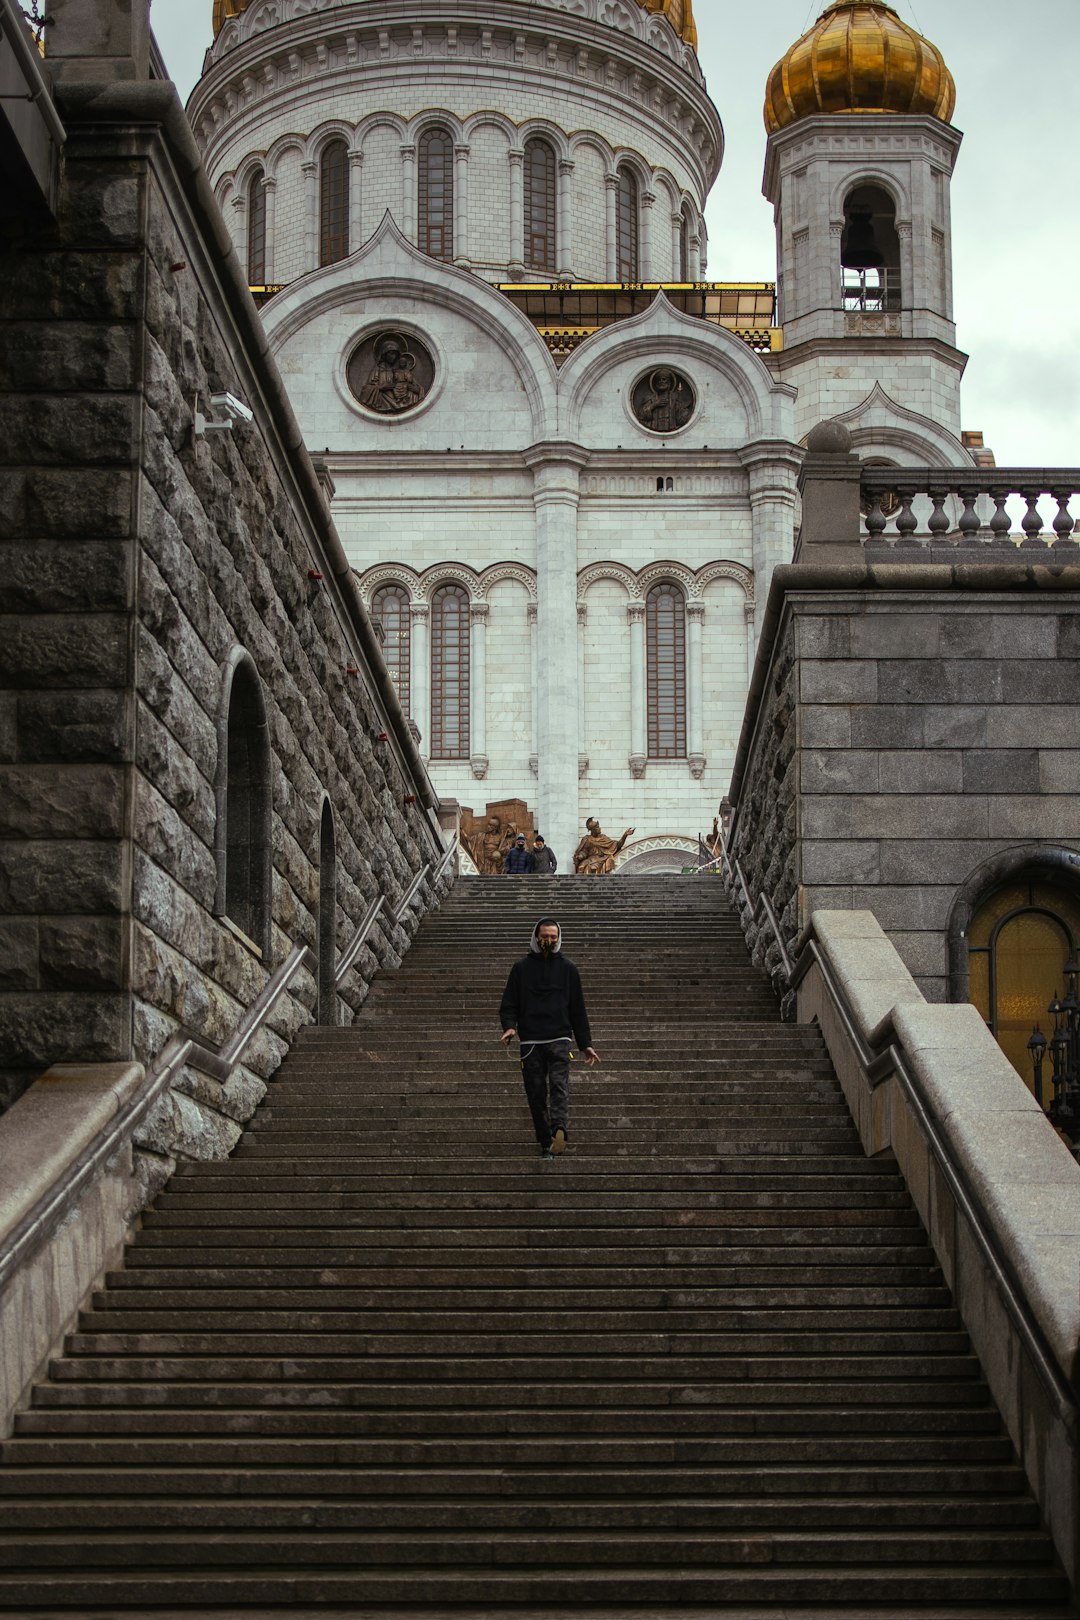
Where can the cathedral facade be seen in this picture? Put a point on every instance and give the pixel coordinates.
(564, 460)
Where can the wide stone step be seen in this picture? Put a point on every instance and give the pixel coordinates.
(888, 1282)
(475, 1421)
(386, 1294)
(917, 1401)
(406, 1585)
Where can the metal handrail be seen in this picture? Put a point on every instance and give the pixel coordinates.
(352, 949)
(764, 908)
(179, 1050)
(454, 847)
(410, 894)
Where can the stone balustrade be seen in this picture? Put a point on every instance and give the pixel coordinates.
(918, 508)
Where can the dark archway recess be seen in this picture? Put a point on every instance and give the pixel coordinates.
(870, 253)
(1056, 867)
(328, 997)
(243, 843)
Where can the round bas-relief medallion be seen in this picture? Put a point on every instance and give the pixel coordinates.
(390, 373)
(663, 400)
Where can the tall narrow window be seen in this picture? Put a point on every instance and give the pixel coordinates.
(540, 206)
(390, 609)
(334, 203)
(870, 253)
(684, 245)
(665, 627)
(243, 841)
(328, 1000)
(256, 213)
(450, 673)
(627, 230)
(435, 211)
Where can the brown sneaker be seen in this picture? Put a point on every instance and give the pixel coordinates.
(558, 1141)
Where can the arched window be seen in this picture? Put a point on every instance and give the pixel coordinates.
(540, 206)
(627, 229)
(665, 630)
(435, 181)
(450, 673)
(334, 203)
(243, 839)
(684, 244)
(328, 998)
(1019, 941)
(256, 213)
(390, 609)
(870, 252)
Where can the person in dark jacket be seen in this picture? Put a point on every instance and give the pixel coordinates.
(544, 862)
(518, 863)
(543, 1005)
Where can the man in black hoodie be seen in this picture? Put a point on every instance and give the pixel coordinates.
(544, 1007)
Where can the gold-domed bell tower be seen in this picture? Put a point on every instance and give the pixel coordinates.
(860, 160)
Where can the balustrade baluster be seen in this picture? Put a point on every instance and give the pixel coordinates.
(875, 518)
(969, 524)
(906, 522)
(1000, 526)
(1063, 523)
(939, 523)
(1031, 522)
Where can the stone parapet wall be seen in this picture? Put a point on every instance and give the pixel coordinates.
(141, 558)
(936, 737)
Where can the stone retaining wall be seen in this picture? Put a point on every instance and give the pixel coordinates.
(139, 558)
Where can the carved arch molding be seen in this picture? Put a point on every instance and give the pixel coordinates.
(636, 583)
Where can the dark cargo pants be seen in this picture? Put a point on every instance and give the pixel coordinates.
(546, 1073)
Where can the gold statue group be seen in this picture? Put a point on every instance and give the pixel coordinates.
(595, 855)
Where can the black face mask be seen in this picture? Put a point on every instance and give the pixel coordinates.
(547, 946)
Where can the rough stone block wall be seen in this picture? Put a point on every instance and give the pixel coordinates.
(937, 735)
(138, 559)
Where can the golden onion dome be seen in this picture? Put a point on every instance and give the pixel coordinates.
(859, 57)
(679, 13)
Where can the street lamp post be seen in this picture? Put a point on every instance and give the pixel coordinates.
(1064, 1047)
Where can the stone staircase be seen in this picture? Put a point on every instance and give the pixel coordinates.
(388, 1362)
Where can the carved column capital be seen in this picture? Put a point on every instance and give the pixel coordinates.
(611, 181)
(566, 167)
(582, 612)
(749, 608)
(479, 612)
(531, 610)
(308, 169)
(695, 610)
(462, 150)
(635, 612)
(419, 610)
(516, 155)
(356, 160)
(270, 182)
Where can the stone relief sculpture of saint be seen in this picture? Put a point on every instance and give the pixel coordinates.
(595, 855)
(391, 386)
(664, 402)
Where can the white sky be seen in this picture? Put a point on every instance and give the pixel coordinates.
(1015, 191)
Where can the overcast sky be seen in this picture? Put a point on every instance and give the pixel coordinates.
(1015, 191)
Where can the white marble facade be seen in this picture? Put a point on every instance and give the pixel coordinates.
(533, 486)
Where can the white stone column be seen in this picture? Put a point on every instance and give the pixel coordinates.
(420, 673)
(639, 740)
(534, 717)
(517, 210)
(611, 195)
(240, 230)
(556, 470)
(695, 689)
(676, 249)
(583, 736)
(461, 205)
(478, 618)
(270, 193)
(751, 639)
(564, 257)
(356, 200)
(646, 269)
(773, 470)
(408, 192)
(310, 172)
(695, 258)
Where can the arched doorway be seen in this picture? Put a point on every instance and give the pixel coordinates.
(1019, 941)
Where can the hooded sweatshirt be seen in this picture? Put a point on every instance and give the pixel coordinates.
(543, 1000)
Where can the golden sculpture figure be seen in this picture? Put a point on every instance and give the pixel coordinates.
(488, 848)
(596, 854)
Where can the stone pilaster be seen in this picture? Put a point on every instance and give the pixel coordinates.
(556, 470)
(420, 672)
(478, 618)
(695, 693)
(639, 737)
